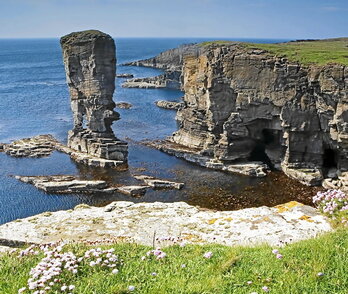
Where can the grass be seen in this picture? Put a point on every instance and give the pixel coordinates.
(227, 271)
(320, 52)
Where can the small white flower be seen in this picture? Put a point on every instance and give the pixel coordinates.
(131, 288)
(208, 254)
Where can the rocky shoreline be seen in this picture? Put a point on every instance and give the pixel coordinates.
(252, 169)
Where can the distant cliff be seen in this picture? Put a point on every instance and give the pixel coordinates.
(171, 61)
(243, 104)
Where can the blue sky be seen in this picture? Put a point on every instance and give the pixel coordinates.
(176, 18)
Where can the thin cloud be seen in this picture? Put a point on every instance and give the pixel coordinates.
(330, 8)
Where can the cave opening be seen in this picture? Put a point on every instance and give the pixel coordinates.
(268, 137)
(330, 158)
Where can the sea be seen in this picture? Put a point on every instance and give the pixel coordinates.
(34, 100)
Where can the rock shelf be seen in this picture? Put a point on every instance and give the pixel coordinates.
(139, 223)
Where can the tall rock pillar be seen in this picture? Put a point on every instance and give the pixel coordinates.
(90, 66)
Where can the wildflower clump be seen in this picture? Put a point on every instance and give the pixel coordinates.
(333, 203)
(53, 273)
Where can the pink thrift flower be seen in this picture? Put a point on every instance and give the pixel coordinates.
(275, 251)
(265, 288)
(279, 256)
(208, 254)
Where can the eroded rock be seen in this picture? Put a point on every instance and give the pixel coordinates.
(61, 184)
(169, 104)
(38, 146)
(277, 226)
(244, 104)
(124, 105)
(90, 66)
(170, 79)
(253, 169)
(133, 190)
(159, 183)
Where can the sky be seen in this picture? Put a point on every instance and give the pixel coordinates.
(279, 19)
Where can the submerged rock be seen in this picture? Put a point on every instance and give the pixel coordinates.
(159, 183)
(90, 66)
(124, 105)
(140, 222)
(169, 104)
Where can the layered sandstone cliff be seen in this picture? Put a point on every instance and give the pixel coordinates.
(245, 104)
(90, 65)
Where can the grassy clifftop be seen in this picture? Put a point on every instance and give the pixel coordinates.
(319, 52)
(314, 266)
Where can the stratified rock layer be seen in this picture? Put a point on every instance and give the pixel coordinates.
(244, 104)
(90, 65)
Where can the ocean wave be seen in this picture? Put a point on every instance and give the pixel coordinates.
(25, 65)
(30, 84)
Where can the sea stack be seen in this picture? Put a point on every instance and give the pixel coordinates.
(90, 66)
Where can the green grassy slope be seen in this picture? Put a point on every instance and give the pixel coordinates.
(227, 271)
(319, 52)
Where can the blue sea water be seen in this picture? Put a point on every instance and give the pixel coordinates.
(34, 100)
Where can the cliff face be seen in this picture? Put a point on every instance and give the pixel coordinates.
(245, 104)
(90, 65)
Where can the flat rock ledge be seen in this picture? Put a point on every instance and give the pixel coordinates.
(159, 183)
(68, 184)
(44, 145)
(143, 222)
(252, 168)
(38, 146)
